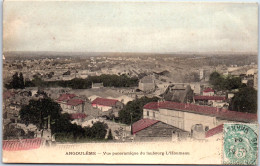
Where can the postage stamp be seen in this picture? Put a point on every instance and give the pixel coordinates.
(240, 144)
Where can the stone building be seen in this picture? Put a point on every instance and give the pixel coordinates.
(70, 103)
(147, 84)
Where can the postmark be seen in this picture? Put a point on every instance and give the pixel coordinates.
(240, 144)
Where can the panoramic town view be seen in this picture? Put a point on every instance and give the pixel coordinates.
(53, 98)
(129, 82)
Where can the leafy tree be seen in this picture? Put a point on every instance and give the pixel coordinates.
(133, 111)
(99, 130)
(220, 82)
(110, 136)
(245, 100)
(37, 111)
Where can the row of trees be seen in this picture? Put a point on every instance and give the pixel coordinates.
(38, 111)
(78, 83)
(133, 111)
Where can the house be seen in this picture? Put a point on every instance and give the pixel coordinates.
(185, 116)
(154, 130)
(70, 103)
(147, 84)
(178, 93)
(105, 104)
(97, 85)
(208, 100)
(208, 92)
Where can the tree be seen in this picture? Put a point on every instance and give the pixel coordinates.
(21, 81)
(133, 111)
(37, 111)
(245, 100)
(99, 130)
(110, 136)
(220, 82)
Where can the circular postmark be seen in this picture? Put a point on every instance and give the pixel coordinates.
(240, 144)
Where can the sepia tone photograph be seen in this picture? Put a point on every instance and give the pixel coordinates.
(130, 82)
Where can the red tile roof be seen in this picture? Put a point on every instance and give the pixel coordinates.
(211, 111)
(75, 102)
(209, 97)
(78, 116)
(104, 102)
(208, 90)
(214, 131)
(66, 97)
(142, 124)
(24, 144)
(152, 105)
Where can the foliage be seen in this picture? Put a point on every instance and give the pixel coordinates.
(110, 136)
(17, 82)
(98, 130)
(133, 111)
(78, 83)
(245, 100)
(220, 82)
(38, 111)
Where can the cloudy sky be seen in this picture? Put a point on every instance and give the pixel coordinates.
(130, 27)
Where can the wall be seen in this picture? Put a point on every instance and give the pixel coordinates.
(208, 93)
(191, 119)
(101, 107)
(180, 119)
(146, 86)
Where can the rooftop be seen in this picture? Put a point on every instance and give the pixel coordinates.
(24, 144)
(66, 97)
(209, 97)
(104, 101)
(142, 124)
(147, 79)
(78, 116)
(208, 90)
(205, 110)
(75, 102)
(214, 131)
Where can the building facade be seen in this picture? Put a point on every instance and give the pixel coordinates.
(185, 116)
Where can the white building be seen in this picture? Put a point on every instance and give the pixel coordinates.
(184, 116)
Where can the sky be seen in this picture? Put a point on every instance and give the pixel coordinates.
(160, 27)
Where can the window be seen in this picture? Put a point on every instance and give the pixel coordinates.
(147, 113)
(206, 128)
(154, 114)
